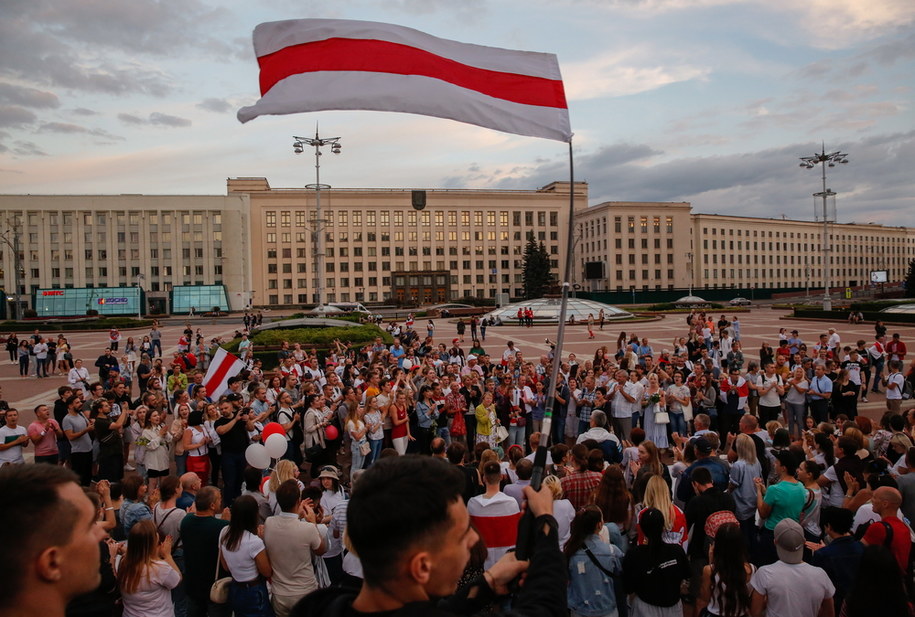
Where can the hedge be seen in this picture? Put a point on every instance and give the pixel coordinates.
(74, 325)
(318, 337)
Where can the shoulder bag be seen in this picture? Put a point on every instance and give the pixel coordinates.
(219, 590)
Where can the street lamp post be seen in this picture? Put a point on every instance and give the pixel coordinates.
(809, 162)
(140, 278)
(14, 231)
(689, 258)
(298, 147)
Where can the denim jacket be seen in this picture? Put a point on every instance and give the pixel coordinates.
(591, 592)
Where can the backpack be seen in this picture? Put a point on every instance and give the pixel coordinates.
(908, 389)
(908, 576)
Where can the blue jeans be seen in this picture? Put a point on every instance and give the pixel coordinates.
(559, 427)
(376, 450)
(233, 470)
(155, 344)
(250, 601)
(678, 423)
(515, 435)
(358, 458)
(445, 434)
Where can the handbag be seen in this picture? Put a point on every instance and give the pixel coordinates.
(500, 433)
(365, 448)
(661, 417)
(313, 452)
(688, 412)
(219, 590)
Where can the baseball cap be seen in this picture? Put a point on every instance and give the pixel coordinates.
(702, 445)
(471, 357)
(789, 541)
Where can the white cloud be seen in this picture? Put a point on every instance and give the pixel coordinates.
(624, 73)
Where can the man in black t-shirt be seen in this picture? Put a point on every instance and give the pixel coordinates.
(233, 429)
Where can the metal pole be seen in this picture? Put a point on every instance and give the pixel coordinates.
(827, 273)
(319, 223)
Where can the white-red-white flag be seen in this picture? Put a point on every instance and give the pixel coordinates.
(223, 366)
(496, 520)
(322, 64)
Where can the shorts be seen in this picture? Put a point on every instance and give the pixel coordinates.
(155, 473)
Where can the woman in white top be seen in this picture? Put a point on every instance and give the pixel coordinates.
(196, 444)
(796, 401)
(284, 470)
(357, 430)
(375, 425)
(243, 554)
(156, 439)
(147, 573)
(135, 431)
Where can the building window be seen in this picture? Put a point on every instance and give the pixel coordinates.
(270, 219)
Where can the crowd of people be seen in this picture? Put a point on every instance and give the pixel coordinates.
(694, 480)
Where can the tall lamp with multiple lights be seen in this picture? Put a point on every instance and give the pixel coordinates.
(298, 146)
(809, 162)
(11, 237)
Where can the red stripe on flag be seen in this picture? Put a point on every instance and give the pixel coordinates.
(338, 54)
(497, 531)
(224, 367)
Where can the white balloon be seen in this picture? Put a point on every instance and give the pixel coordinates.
(407, 364)
(257, 456)
(276, 445)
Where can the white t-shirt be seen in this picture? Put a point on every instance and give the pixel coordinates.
(895, 394)
(14, 454)
(785, 597)
(563, 512)
(770, 398)
(241, 560)
(153, 596)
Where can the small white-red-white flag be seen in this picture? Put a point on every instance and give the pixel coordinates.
(321, 64)
(223, 366)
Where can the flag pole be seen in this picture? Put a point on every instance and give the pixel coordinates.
(524, 546)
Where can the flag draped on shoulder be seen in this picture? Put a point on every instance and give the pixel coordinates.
(324, 64)
(223, 366)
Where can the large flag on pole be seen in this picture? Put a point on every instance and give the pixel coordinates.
(223, 366)
(322, 64)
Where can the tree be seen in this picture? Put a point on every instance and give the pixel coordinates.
(537, 276)
(910, 281)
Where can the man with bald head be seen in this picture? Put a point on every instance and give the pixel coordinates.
(190, 484)
(889, 530)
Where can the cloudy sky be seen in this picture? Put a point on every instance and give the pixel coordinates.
(707, 101)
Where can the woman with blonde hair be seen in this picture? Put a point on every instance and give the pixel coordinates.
(743, 476)
(563, 510)
(485, 412)
(657, 496)
(148, 573)
(284, 470)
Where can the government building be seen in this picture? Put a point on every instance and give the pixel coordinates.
(655, 246)
(258, 245)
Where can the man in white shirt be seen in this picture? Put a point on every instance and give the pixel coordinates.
(789, 587)
(621, 399)
(291, 537)
(895, 384)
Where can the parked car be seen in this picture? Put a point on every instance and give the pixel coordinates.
(740, 302)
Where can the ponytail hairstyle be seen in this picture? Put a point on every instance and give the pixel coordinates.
(583, 525)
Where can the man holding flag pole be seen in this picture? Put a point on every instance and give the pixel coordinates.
(410, 562)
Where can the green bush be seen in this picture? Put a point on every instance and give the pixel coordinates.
(317, 337)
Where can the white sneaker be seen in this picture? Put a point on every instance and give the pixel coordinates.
(129, 468)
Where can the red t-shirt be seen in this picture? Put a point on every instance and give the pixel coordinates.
(902, 541)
